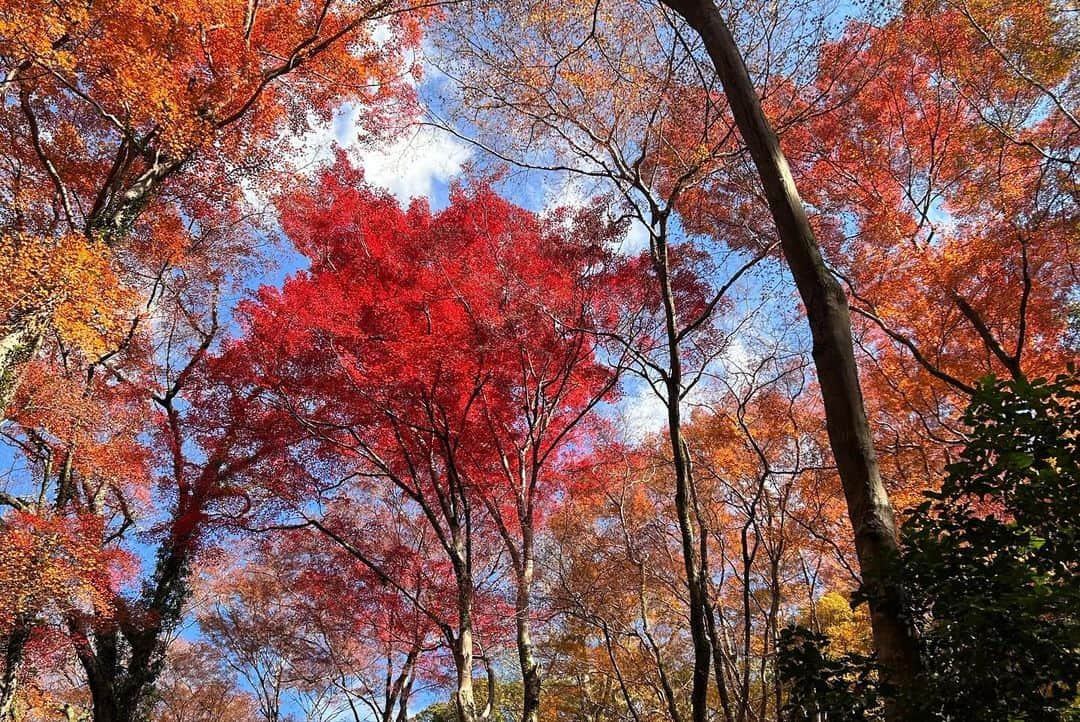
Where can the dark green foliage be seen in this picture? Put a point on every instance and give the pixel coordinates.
(992, 567)
(845, 687)
(992, 561)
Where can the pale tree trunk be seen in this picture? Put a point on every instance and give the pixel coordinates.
(397, 693)
(523, 564)
(464, 699)
(464, 656)
(830, 324)
(403, 701)
(17, 346)
(530, 667)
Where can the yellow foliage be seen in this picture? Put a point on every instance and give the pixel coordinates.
(71, 284)
(848, 629)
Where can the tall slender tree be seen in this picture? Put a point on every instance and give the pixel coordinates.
(869, 509)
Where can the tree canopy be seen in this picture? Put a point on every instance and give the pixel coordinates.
(702, 362)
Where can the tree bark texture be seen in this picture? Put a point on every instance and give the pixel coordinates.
(830, 324)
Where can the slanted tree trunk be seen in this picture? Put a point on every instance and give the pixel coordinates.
(116, 210)
(404, 690)
(830, 324)
(396, 697)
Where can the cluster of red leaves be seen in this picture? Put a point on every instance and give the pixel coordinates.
(408, 320)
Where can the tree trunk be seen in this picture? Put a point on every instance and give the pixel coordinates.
(398, 695)
(827, 310)
(695, 579)
(530, 667)
(719, 671)
(122, 665)
(100, 663)
(113, 220)
(464, 699)
(17, 346)
(102, 697)
(13, 661)
(699, 632)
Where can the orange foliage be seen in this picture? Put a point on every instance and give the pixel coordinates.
(937, 213)
(943, 186)
(97, 423)
(132, 127)
(73, 282)
(937, 153)
(55, 564)
(195, 688)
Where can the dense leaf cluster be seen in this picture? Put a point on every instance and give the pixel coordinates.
(991, 565)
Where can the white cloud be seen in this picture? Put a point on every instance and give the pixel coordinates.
(637, 239)
(736, 357)
(570, 193)
(640, 413)
(408, 166)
